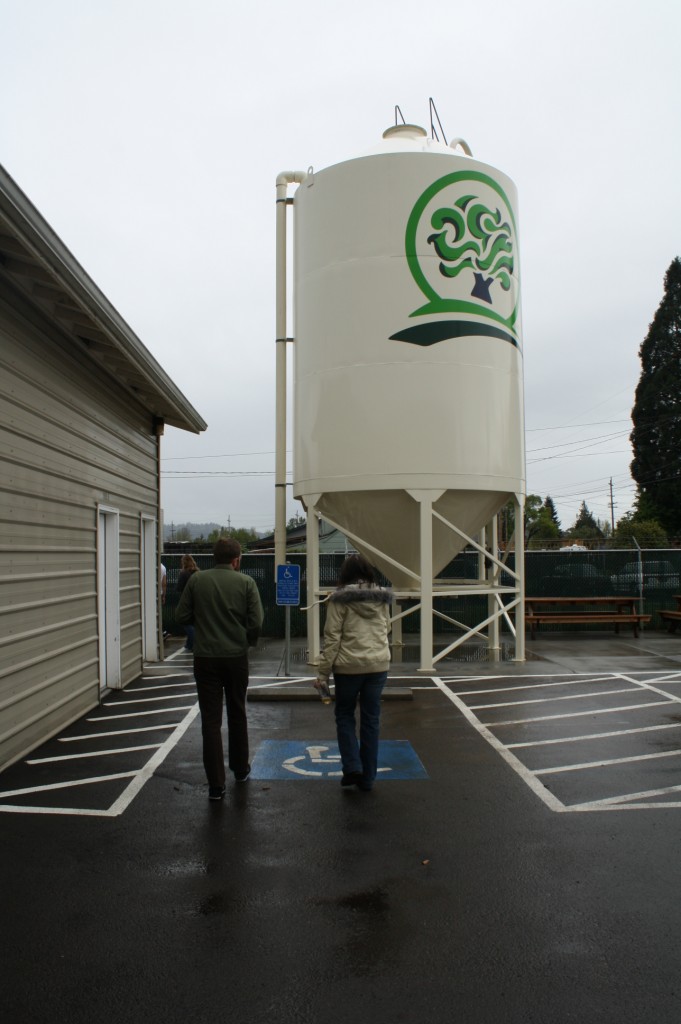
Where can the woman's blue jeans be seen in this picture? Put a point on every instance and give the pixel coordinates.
(359, 756)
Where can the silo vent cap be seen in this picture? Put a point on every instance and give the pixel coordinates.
(405, 131)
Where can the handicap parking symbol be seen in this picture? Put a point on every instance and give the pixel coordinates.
(316, 761)
(320, 759)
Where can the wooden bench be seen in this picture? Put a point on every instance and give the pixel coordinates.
(615, 611)
(672, 617)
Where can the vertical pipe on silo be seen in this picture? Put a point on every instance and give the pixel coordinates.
(283, 181)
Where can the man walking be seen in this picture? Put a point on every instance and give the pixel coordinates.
(225, 609)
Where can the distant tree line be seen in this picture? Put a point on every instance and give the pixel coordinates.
(542, 526)
(207, 534)
(199, 533)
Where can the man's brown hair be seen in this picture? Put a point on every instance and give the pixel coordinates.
(226, 550)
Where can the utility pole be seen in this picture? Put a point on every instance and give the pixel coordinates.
(612, 508)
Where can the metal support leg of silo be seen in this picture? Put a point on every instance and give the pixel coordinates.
(426, 499)
(519, 509)
(396, 640)
(492, 574)
(312, 574)
(426, 568)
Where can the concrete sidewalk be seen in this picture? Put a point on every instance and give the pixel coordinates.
(551, 651)
(470, 892)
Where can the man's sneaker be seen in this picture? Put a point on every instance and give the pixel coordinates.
(242, 776)
(216, 792)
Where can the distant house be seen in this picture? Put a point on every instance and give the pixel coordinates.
(331, 540)
(82, 408)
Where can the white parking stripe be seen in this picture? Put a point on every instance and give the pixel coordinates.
(279, 683)
(623, 802)
(66, 785)
(538, 685)
(654, 689)
(92, 753)
(60, 785)
(581, 714)
(667, 677)
(113, 732)
(147, 700)
(164, 675)
(594, 736)
(548, 700)
(140, 714)
(88, 812)
(605, 762)
(154, 689)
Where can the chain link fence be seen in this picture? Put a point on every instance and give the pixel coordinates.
(654, 576)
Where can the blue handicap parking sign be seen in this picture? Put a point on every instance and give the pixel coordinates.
(320, 759)
(288, 584)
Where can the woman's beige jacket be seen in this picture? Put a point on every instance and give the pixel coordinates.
(356, 631)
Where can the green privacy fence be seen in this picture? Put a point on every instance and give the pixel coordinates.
(654, 576)
(547, 574)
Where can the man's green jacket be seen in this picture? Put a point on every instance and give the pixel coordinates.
(225, 609)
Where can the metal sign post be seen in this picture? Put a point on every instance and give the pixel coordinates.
(288, 593)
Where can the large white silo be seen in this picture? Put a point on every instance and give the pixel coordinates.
(408, 387)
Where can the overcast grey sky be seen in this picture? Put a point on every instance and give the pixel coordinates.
(149, 134)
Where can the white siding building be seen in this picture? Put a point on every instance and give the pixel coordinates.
(82, 410)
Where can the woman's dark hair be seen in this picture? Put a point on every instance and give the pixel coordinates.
(356, 569)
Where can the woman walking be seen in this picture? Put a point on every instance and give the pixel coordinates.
(356, 649)
(187, 569)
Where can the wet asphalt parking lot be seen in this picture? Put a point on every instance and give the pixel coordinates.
(518, 862)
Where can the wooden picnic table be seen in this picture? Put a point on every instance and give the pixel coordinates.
(616, 609)
(673, 617)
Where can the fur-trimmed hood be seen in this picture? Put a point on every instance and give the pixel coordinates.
(362, 596)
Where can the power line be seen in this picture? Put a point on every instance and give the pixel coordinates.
(225, 455)
(185, 474)
(568, 426)
(598, 437)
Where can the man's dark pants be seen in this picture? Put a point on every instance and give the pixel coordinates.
(215, 677)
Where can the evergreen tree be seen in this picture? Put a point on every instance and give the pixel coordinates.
(538, 523)
(551, 508)
(585, 524)
(656, 437)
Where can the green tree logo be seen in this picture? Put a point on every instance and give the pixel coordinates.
(470, 236)
(461, 248)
